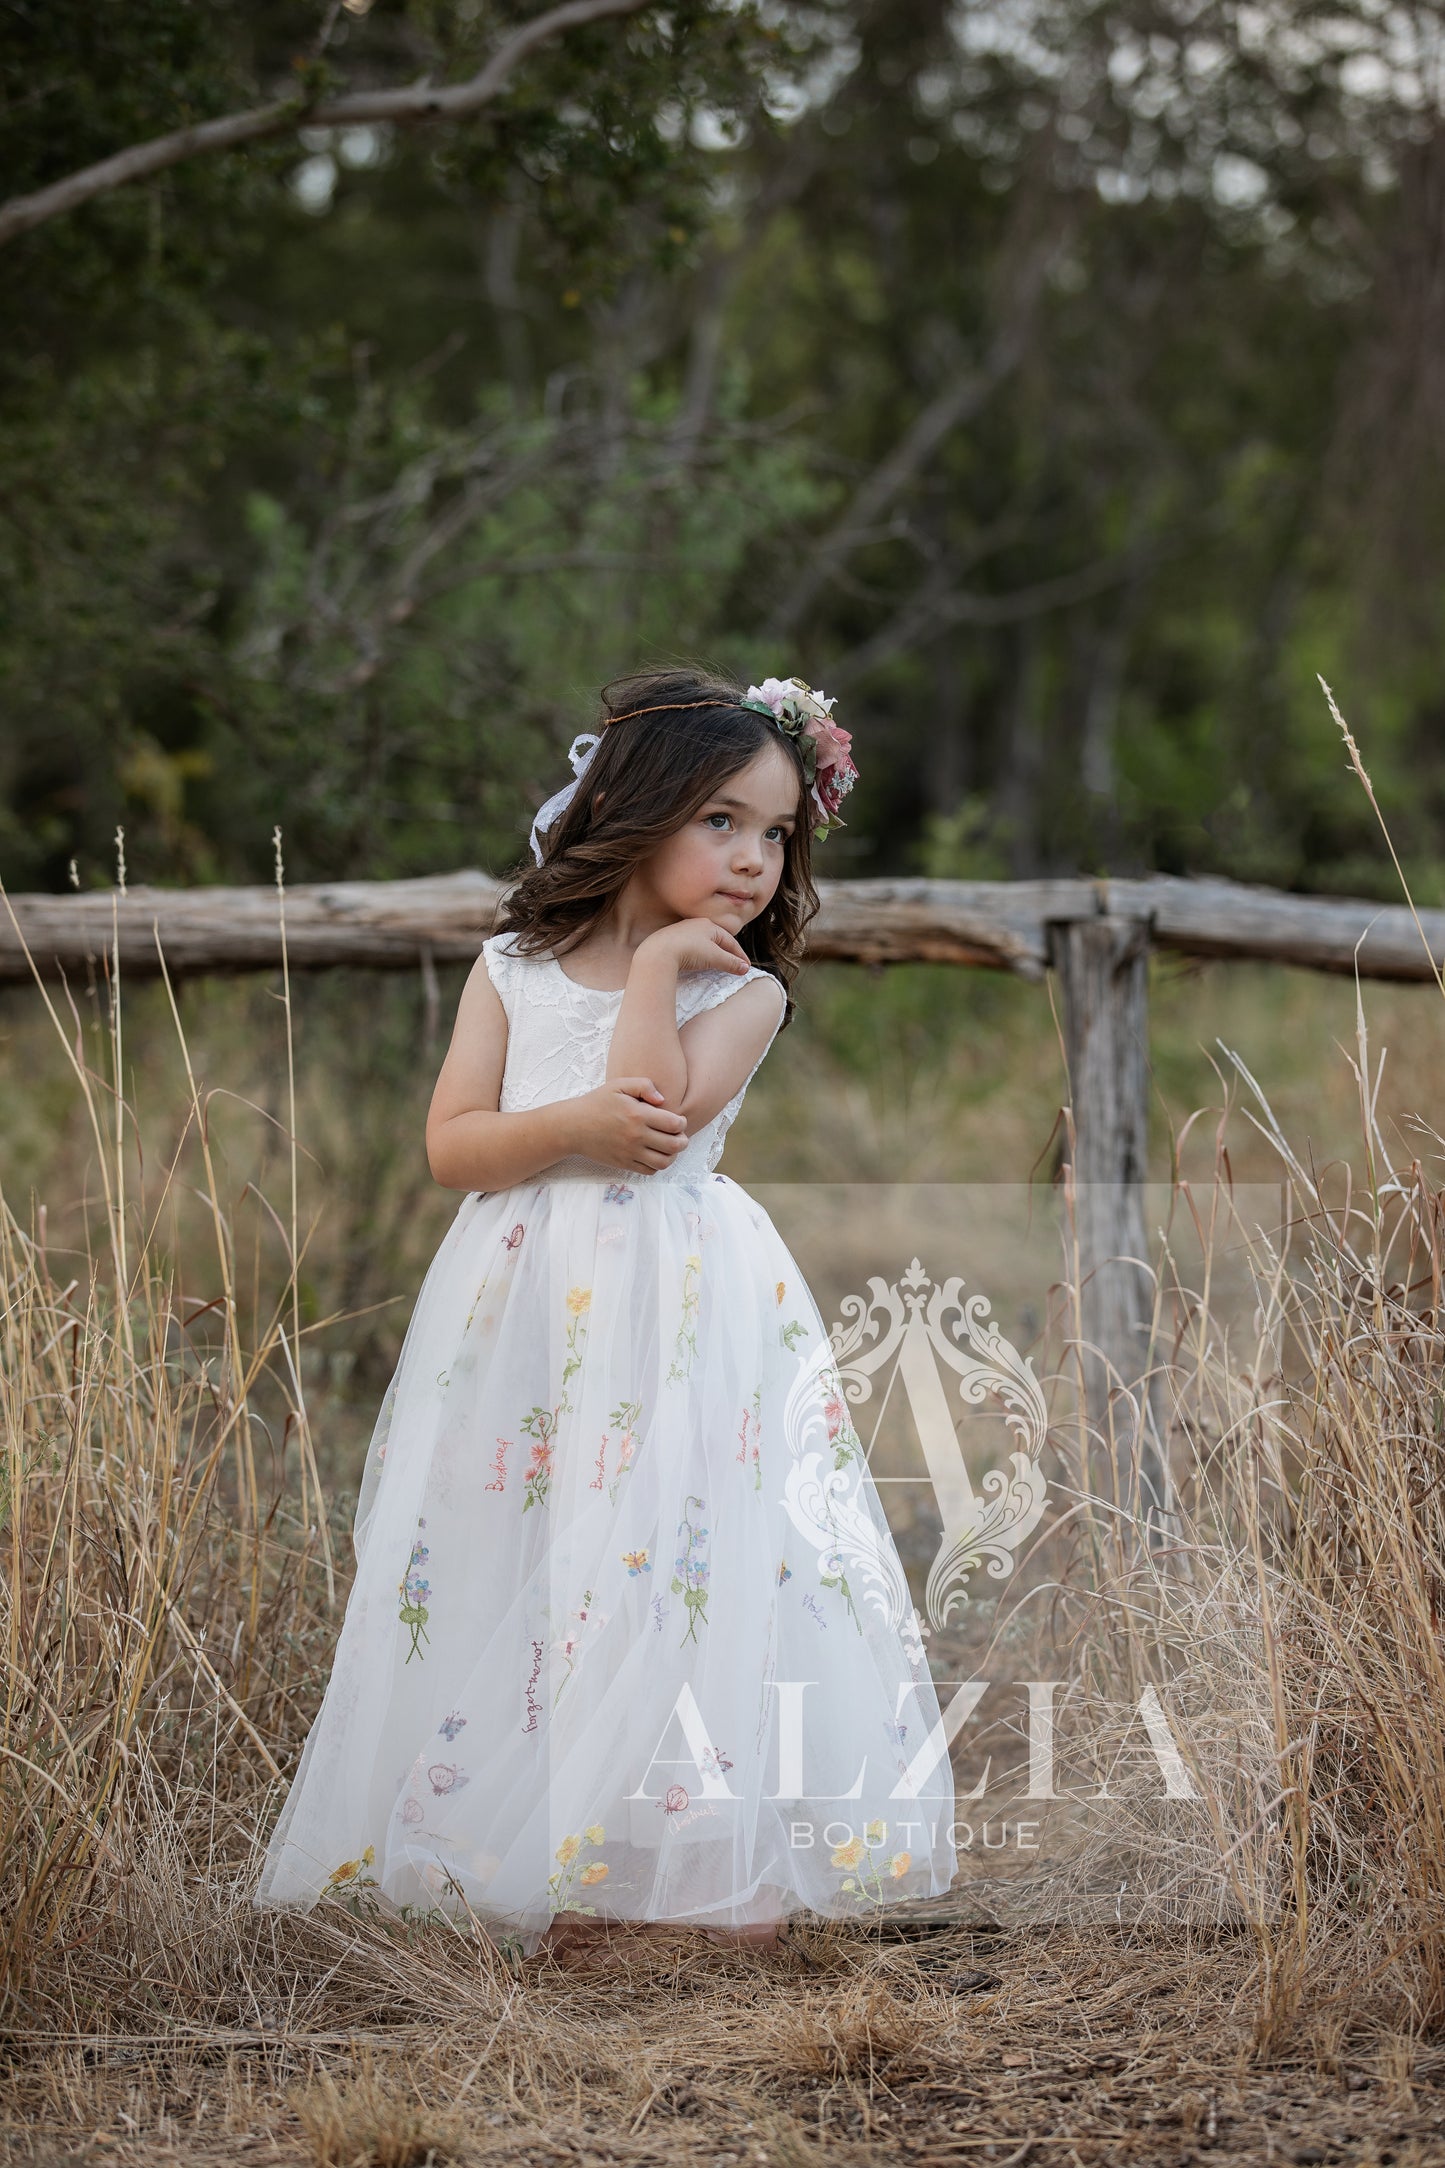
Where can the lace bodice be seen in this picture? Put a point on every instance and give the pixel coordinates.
(559, 1032)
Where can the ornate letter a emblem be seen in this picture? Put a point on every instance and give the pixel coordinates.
(902, 1330)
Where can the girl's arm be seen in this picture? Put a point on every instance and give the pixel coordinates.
(700, 1067)
(471, 1145)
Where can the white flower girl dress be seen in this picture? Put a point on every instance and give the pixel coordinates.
(629, 1634)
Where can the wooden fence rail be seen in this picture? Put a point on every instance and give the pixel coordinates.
(1095, 935)
(1002, 925)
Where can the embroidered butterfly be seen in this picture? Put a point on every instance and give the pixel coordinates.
(674, 1801)
(617, 1193)
(511, 1241)
(785, 1573)
(636, 1562)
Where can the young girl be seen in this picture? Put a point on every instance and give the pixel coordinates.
(629, 1639)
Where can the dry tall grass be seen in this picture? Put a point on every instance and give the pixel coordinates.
(172, 1590)
(167, 1551)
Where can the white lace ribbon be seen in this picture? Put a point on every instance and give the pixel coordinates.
(559, 801)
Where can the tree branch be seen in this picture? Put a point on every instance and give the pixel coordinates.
(933, 612)
(958, 401)
(416, 102)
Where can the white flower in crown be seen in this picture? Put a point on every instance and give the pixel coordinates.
(806, 717)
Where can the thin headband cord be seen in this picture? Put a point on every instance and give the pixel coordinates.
(798, 712)
(581, 752)
(664, 706)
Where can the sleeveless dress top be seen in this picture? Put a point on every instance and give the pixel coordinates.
(629, 1634)
(559, 1032)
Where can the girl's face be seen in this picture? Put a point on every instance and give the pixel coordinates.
(726, 862)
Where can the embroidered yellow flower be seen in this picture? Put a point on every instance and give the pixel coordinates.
(778, 1291)
(595, 1834)
(579, 1299)
(875, 1834)
(902, 1861)
(597, 1872)
(849, 1854)
(350, 1868)
(567, 1850)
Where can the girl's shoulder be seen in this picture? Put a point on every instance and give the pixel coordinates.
(501, 959)
(512, 975)
(707, 989)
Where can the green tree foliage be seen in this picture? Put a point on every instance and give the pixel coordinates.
(207, 375)
(1059, 384)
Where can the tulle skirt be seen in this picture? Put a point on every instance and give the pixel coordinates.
(628, 1635)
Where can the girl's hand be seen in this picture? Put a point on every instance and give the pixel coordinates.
(621, 1125)
(697, 944)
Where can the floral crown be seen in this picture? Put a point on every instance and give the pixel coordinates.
(807, 718)
(799, 713)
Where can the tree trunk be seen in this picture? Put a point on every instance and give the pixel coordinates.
(1021, 785)
(947, 768)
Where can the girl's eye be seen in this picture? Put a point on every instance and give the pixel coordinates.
(775, 830)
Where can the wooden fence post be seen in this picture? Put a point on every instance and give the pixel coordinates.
(1103, 968)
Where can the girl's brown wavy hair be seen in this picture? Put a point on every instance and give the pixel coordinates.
(656, 771)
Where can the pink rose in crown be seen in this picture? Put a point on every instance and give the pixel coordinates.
(806, 714)
(835, 771)
(833, 743)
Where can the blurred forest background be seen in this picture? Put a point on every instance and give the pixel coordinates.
(1060, 385)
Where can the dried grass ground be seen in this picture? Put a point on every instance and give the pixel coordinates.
(849, 2046)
